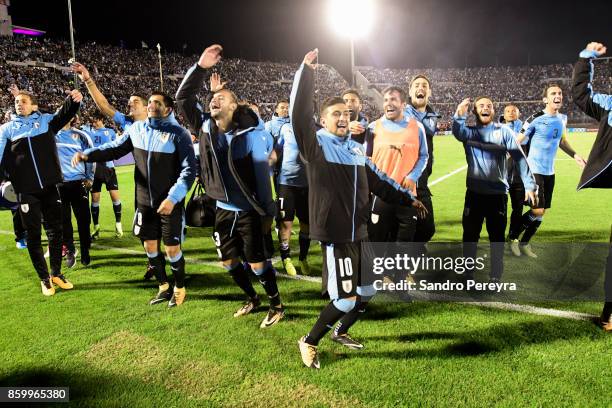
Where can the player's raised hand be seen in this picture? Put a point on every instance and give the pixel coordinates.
(14, 90)
(311, 57)
(215, 83)
(463, 107)
(80, 69)
(75, 95)
(211, 56)
(581, 162)
(599, 48)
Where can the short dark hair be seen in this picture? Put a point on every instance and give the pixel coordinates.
(168, 101)
(279, 102)
(142, 98)
(397, 89)
(414, 78)
(333, 100)
(548, 86)
(30, 95)
(351, 91)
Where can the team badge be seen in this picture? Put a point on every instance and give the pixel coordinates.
(25, 208)
(347, 286)
(164, 137)
(75, 136)
(36, 125)
(375, 218)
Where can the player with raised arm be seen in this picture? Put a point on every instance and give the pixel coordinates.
(340, 181)
(598, 170)
(486, 197)
(234, 150)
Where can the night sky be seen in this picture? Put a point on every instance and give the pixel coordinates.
(409, 33)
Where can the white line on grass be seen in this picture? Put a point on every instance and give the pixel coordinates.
(565, 314)
(452, 173)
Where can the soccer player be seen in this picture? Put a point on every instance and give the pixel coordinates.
(546, 133)
(74, 191)
(137, 111)
(598, 170)
(418, 107)
(34, 170)
(279, 119)
(105, 174)
(164, 173)
(358, 123)
(292, 199)
(517, 191)
(487, 186)
(234, 151)
(397, 145)
(340, 180)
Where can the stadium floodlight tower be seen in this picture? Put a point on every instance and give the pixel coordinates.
(352, 19)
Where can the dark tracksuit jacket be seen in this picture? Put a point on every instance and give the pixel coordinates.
(233, 166)
(598, 171)
(164, 157)
(340, 176)
(32, 163)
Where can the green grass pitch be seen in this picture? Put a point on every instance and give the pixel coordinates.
(104, 342)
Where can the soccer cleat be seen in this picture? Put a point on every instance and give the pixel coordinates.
(346, 341)
(96, 232)
(309, 353)
(514, 247)
(273, 317)
(526, 250)
(21, 244)
(61, 281)
(47, 287)
(607, 326)
(118, 230)
(178, 297)
(164, 294)
(248, 307)
(71, 258)
(305, 267)
(289, 267)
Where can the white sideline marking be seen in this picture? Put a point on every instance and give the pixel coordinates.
(452, 173)
(512, 307)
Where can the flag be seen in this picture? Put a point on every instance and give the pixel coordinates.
(144, 44)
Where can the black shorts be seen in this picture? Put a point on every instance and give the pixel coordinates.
(239, 234)
(546, 185)
(292, 201)
(149, 225)
(342, 270)
(104, 175)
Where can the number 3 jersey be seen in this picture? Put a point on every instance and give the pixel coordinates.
(544, 132)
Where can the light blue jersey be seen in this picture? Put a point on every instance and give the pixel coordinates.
(544, 133)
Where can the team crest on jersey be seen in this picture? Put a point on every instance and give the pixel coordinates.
(164, 137)
(357, 151)
(347, 286)
(75, 136)
(25, 208)
(36, 125)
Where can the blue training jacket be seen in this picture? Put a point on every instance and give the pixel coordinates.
(68, 143)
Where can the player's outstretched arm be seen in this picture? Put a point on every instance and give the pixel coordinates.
(99, 99)
(590, 102)
(460, 130)
(302, 112)
(186, 95)
(67, 111)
